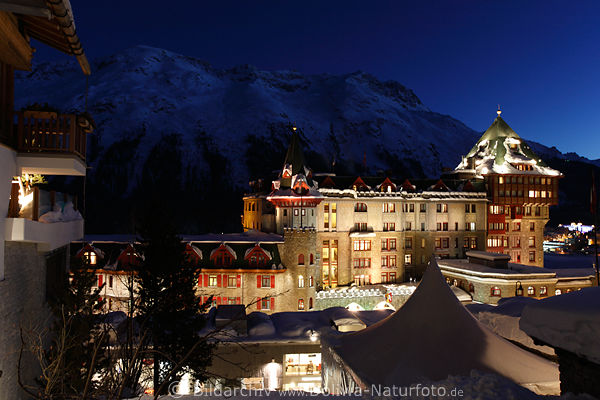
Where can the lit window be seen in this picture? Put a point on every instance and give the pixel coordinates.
(531, 291)
(557, 292)
(300, 304)
(300, 281)
(212, 281)
(496, 292)
(543, 291)
(408, 259)
(90, 257)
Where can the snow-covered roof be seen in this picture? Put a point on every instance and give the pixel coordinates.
(569, 321)
(257, 245)
(442, 339)
(226, 247)
(500, 150)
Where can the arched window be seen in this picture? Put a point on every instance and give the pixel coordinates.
(471, 288)
(312, 259)
(300, 259)
(543, 291)
(253, 207)
(531, 291)
(496, 292)
(311, 282)
(310, 303)
(557, 292)
(300, 281)
(300, 304)
(360, 207)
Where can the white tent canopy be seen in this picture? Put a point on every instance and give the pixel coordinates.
(429, 338)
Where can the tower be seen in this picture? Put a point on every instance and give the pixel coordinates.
(295, 194)
(520, 188)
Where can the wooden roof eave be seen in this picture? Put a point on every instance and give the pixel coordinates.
(14, 47)
(67, 41)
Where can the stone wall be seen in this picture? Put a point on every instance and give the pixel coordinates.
(22, 305)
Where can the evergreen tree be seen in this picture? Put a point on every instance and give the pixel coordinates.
(77, 349)
(169, 305)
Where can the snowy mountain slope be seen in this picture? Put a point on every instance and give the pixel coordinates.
(175, 127)
(342, 116)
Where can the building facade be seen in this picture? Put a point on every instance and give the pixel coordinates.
(257, 270)
(489, 277)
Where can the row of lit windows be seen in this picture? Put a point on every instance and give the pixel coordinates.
(518, 210)
(520, 179)
(301, 282)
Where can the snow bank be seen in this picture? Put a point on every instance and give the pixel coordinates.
(504, 320)
(570, 321)
(65, 214)
(431, 337)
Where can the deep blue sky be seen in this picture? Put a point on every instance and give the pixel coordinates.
(539, 60)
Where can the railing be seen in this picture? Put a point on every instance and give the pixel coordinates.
(50, 132)
(37, 202)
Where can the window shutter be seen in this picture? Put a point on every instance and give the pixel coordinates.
(205, 280)
(259, 304)
(272, 303)
(272, 281)
(218, 300)
(218, 280)
(99, 280)
(238, 300)
(200, 280)
(225, 281)
(239, 281)
(258, 280)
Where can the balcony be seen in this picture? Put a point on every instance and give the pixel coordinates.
(47, 218)
(50, 143)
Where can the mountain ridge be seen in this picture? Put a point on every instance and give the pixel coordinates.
(173, 124)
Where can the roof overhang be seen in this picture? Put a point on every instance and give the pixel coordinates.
(50, 22)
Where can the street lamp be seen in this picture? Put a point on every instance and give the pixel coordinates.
(519, 289)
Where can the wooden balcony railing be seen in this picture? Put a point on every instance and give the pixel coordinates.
(51, 132)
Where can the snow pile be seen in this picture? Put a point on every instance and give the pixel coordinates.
(441, 338)
(504, 320)
(64, 214)
(570, 321)
(460, 294)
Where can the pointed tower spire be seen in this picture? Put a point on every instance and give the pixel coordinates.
(294, 158)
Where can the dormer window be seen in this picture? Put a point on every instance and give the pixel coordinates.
(257, 256)
(90, 258)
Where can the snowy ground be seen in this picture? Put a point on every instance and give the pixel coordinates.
(570, 321)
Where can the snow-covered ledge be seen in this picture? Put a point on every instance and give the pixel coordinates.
(48, 236)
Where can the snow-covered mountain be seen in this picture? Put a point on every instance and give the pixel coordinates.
(152, 92)
(175, 125)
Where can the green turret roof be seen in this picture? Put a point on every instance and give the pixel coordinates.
(500, 149)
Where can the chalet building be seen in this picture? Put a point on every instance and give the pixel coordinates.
(489, 277)
(248, 269)
(521, 188)
(35, 226)
(367, 230)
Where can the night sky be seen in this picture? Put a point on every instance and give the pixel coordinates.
(539, 60)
